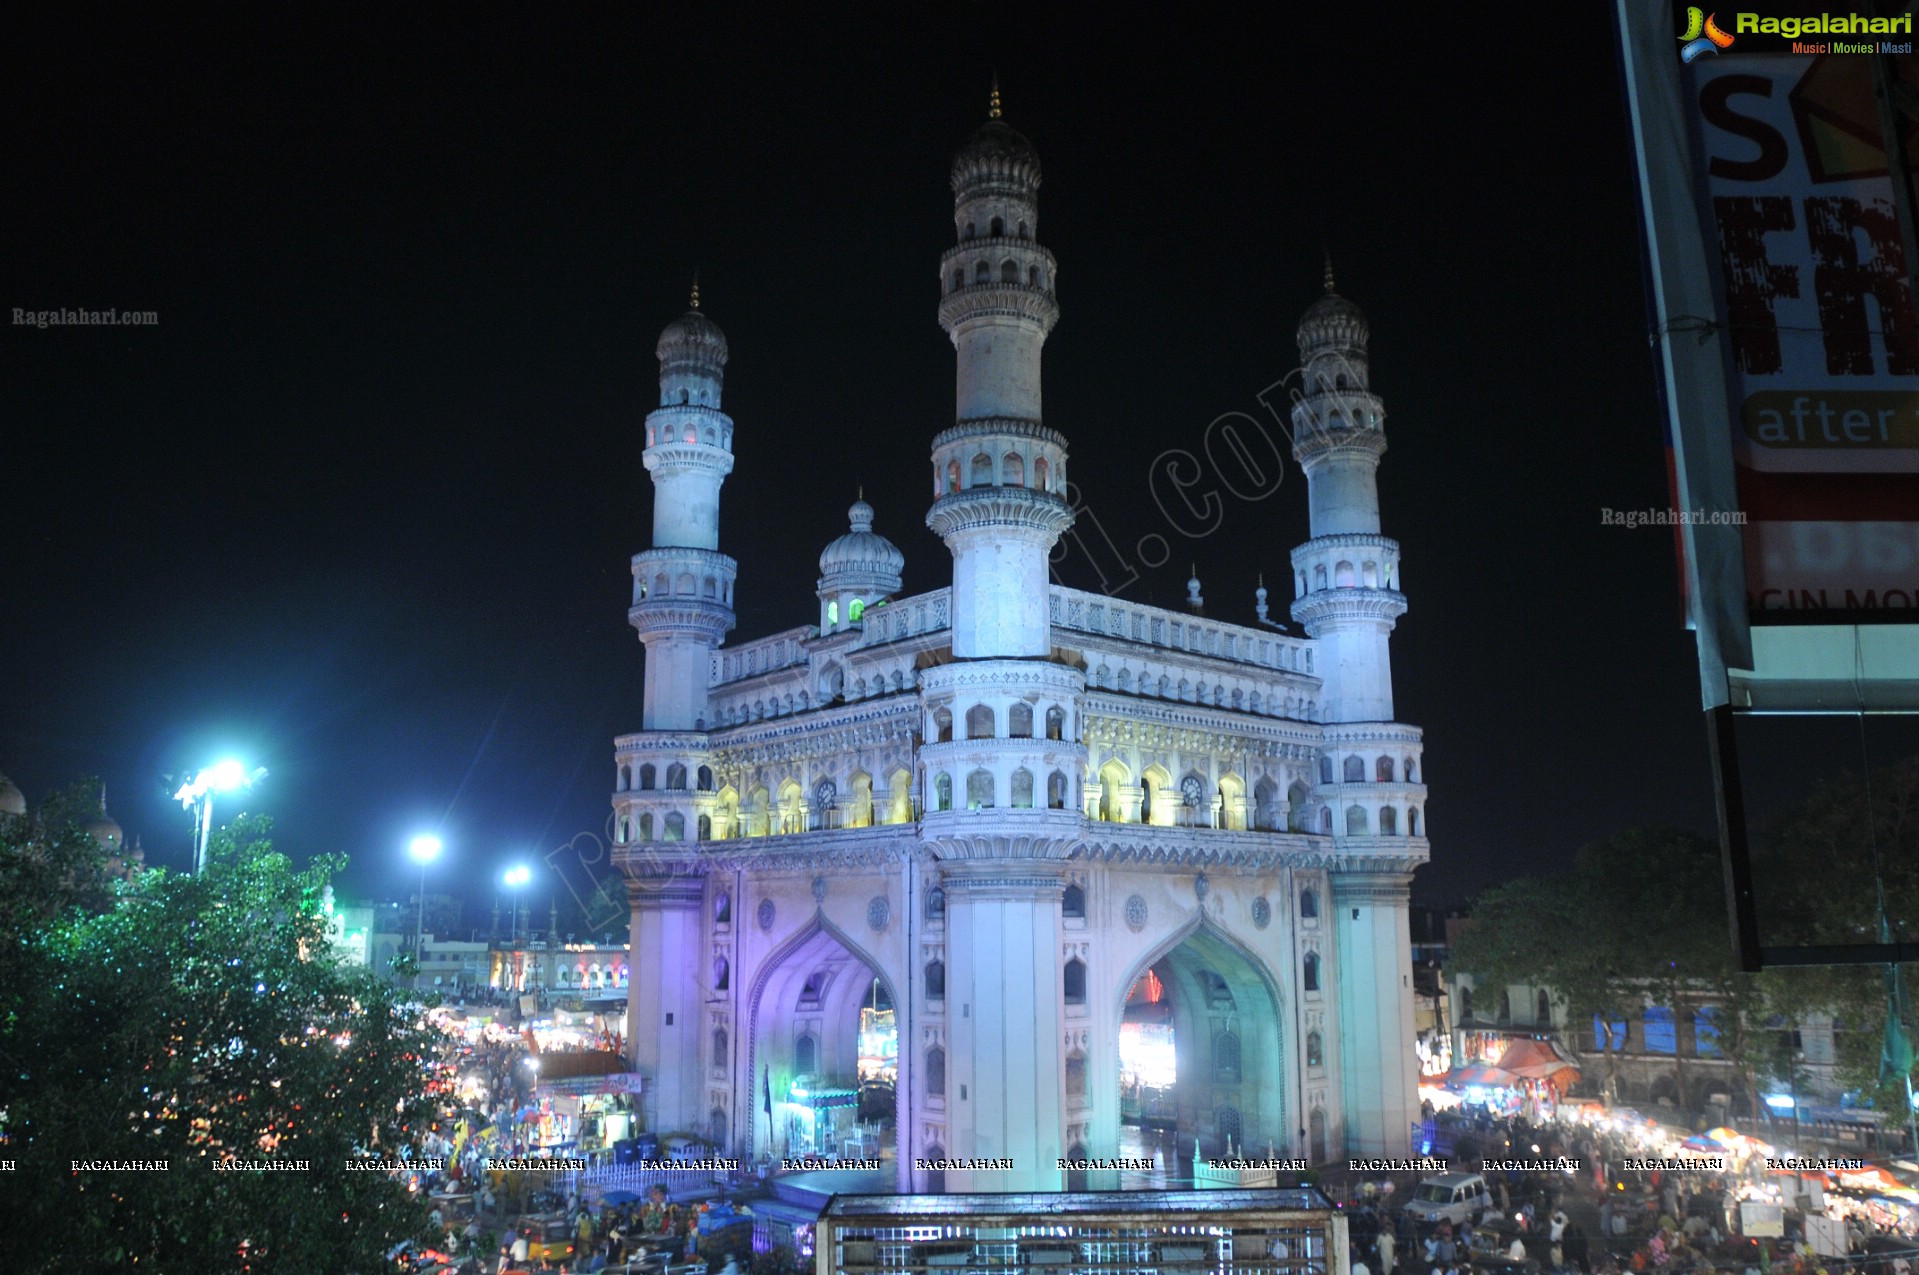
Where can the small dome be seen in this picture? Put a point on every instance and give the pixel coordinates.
(1332, 323)
(995, 153)
(104, 829)
(12, 800)
(692, 336)
(861, 549)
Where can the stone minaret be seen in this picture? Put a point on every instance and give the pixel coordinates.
(1346, 583)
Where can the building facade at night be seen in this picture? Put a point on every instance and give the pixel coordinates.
(1012, 811)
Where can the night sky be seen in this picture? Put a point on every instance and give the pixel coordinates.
(360, 507)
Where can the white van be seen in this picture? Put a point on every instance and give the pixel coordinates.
(1449, 1197)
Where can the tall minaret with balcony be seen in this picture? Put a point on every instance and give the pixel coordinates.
(1346, 582)
(1004, 770)
(682, 608)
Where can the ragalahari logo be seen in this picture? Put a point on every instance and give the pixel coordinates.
(1702, 36)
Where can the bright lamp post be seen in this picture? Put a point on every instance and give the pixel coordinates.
(222, 776)
(516, 879)
(423, 850)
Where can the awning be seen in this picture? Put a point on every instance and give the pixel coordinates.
(1535, 1060)
(1485, 1075)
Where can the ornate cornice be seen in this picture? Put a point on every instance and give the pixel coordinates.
(755, 739)
(650, 741)
(841, 850)
(1370, 733)
(1157, 723)
(1315, 609)
(1001, 834)
(676, 457)
(1304, 554)
(1313, 445)
(1000, 509)
(1008, 676)
(998, 301)
(703, 618)
(998, 427)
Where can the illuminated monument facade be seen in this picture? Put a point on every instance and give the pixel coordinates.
(1013, 805)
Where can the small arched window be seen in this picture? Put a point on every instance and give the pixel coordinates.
(1073, 982)
(982, 273)
(722, 974)
(1388, 821)
(1383, 772)
(936, 904)
(1076, 1074)
(806, 1054)
(1355, 821)
(1055, 723)
(1040, 474)
(719, 1046)
(959, 280)
(1056, 791)
(1310, 980)
(1012, 470)
(982, 470)
(722, 908)
(1412, 821)
(1072, 902)
(1542, 1010)
(936, 980)
(1022, 794)
(705, 777)
(1315, 1050)
(952, 476)
(648, 776)
(676, 776)
(943, 793)
(1355, 772)
(979, 790)
(626, 778)
(675, 827)
(646, 827)
(1226, 1058)
(1033, 277)
(969, 232)
(979, 722)
(999, 227)
(703, 828)
(1019, 721)
(936, 1072)
(1009, 271)
(1308, 905)
(1022, 231)
(1325, 769)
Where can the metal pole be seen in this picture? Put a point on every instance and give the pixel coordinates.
(206, 830)
(419, 937)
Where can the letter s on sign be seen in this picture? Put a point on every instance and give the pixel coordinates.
(1715, 104)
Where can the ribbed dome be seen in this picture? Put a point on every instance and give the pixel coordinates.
(692, 336)
(1332, 323)
(862, 549)
(12, 800)
(995, 154)
(104, 829)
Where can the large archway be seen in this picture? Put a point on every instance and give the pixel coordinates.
(824, 1052)
(1201, 1047)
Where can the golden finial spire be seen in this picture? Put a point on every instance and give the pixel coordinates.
(860, 492)
(992, 106)
(696, 289)
(1329, 268)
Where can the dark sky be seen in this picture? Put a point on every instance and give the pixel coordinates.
(360, 507)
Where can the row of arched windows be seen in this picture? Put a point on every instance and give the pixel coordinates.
(1367, 575)
(1214, 694)
(1357, 823)
(711, 588)
(980, 472)
(982, 791)
(671, 828)
(644, 776)
(983, 723)
(1008, 273)
(1386, 769)
(996, 228)
(663, 434)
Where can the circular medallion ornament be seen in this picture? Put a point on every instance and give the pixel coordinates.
(819, 889)
(1201, 885)
(1136, 913)
(878, 912)
(766, 914)
(1262, 913)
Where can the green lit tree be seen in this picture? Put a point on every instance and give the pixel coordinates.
(194, 1021)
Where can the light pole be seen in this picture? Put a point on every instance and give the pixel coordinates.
(516, 879)
(423, 849)
(223, 776)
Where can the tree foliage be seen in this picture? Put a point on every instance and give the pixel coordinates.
(194, 1021)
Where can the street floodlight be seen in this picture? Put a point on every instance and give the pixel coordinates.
(222, 776)
(518, 875)
(425, 849)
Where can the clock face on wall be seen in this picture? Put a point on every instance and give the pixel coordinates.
(1191, 790)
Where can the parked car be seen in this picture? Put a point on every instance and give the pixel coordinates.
(1449, 1197)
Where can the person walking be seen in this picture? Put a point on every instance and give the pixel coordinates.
(1385, 1245)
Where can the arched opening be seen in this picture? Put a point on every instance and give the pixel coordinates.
(900, 797)
(626, 778)
(1022, 789)
(1542, 1010)
(959, 280)
(1299, 811)
(1113, 779)
(979, 722)
(705, 778)
(1308, 905)
(722, 974)
(1183, 1065)
(936, 1072)
(1315, 1050)
(1325, 769)
(646, 827)
(1040, 473)
(1012, 470)
(1073, 982)
(952, 476)
(1158, 799)
(1317, 1138)
(1388, 821)
(1232, 803)
(676, 776)
(1343, 577)
(999, 227)
(1383, 771)
(792, 812)
(943, 726)
(1019, 721)
(982, 475)
(982, 273)
(1009, 271)
(936, 980)
(1412, 821)
(859, 808)
(675, 827)
(1355, 821)
(936, 904)
(648, 777)
(720, 1050)
(943, 792)
(1056, 791)
(823, 1022)
(1309, 972)
(1055, 723)
(1034, 278)
(1355, 770)
(979, 790)
(1072, 902)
